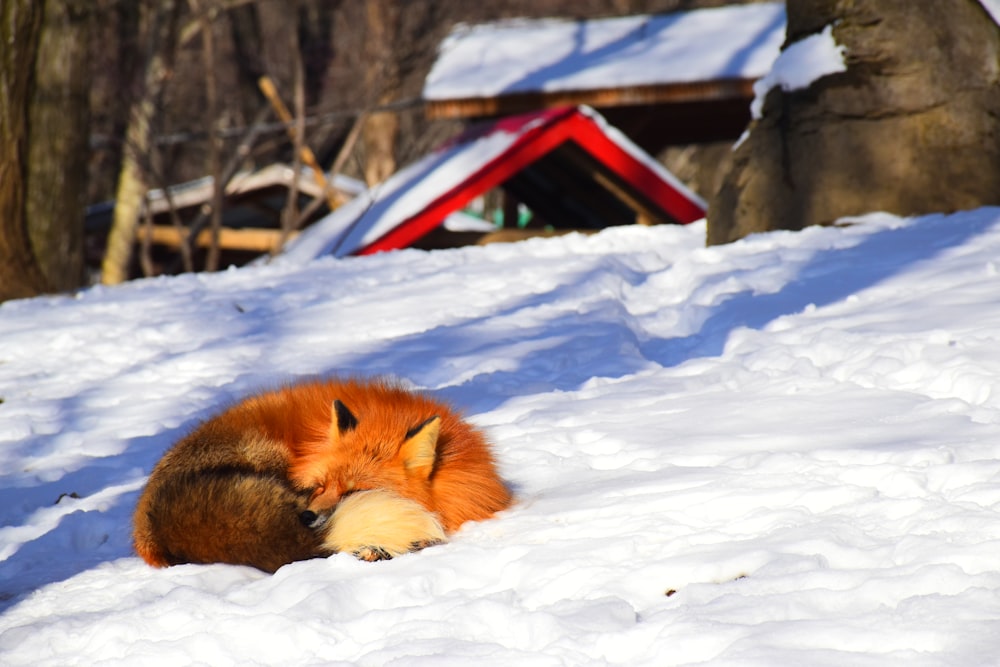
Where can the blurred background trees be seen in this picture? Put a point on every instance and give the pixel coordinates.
(44, 130)
(20, 25)
(106, 99)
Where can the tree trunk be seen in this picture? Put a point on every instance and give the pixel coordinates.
(278, 22)
(20, 30)
(133, 180)
(290, 213)
(212, 122)
(58, 142)
(379, 135)
(381, 79)
(909, 128)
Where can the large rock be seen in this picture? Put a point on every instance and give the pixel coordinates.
(912, 126)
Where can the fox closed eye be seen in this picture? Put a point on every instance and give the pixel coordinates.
(332, 495)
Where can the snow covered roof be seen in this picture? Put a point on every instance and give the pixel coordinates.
(245, 187)
(603, 179)
(992, 7)
(198, 192)
(685, 55)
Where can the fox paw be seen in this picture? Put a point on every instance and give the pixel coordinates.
(372, 554)
(423, 544)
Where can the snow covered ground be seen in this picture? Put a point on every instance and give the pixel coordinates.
(781, 451)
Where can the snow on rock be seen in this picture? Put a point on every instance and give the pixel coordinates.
(993, 8)
(785, 450)
(799, 65)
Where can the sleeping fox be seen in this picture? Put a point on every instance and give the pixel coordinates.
(364, 467)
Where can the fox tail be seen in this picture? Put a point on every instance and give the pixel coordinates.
(379, 524)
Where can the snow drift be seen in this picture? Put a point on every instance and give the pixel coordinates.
(781, 451)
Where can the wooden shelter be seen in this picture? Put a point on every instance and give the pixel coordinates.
(678, 78)
(568, 166)
(251, 214)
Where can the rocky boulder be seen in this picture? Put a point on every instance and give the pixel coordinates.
(912, 126)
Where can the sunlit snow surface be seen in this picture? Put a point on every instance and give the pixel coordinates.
(796, 436)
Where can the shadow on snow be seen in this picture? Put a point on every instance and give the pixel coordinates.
(558, 353)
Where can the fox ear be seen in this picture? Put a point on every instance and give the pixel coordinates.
(342, 420)
(419, 450)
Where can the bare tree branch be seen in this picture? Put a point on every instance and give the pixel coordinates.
(232, 167)
(133, 181)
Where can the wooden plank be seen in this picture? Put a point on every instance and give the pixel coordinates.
(677, 93)
(251, 240)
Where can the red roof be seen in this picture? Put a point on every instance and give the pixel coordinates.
(567, 164)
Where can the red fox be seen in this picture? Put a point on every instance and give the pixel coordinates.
(377, 435)
(293, 474)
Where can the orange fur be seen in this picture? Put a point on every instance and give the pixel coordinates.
(236, 488)
(458, 480)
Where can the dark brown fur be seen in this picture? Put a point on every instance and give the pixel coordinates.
(225, 516)
(220, 495)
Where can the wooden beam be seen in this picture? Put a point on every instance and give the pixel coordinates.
(251, 240)
(644, 215)
(666, 94)
(333, 198)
